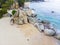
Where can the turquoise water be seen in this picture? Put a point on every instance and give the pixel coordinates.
(45, 14)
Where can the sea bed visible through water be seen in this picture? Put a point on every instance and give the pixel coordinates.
(44, 12)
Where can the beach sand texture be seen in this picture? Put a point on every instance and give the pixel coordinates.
(34, 37)
(25, 34)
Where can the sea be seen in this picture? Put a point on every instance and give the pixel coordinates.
(48, 11)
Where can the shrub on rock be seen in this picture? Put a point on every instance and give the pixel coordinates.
(13, 12)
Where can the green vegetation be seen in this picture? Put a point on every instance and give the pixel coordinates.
(13, 12)
(6, 3)
(3, 11)
(21, 2)
(1, 15)
(27, 0)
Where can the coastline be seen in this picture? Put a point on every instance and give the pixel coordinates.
(25, 34)
(35, 37)
(14, 34)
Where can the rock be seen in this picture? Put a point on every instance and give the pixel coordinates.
(38, 21)
(34, 15)
(49, 32)
(23, 16)
(52, 11)
(20, 22)
(12, 21)
(39, 26)
(36, 25)
(32, 20)
(57, 36)
(45, 22)
(30, 12)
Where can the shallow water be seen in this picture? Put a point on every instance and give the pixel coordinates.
(43, 10)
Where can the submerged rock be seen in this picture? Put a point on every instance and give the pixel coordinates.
(45, 22)
(52, 11)
(49, 32)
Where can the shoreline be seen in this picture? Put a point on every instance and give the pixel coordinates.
(19, 34)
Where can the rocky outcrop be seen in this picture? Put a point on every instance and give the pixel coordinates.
(57, 36)
(15, 5)
(30, 12)
(39, 26)
(31, 15)
(23, 16)
(32, 20)
(49, 32)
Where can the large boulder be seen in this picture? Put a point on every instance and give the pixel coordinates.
(11, 21)
(45, 22)
(40, 26)
(32, 20)
(23, 16)
(38, 21)
(49, 32)
(30, 12)
(20, 21)
(57, 36)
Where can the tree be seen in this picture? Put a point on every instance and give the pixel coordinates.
(6, 3)
(9, 2)
(3, 11)
(21, 2)
(27, 0)
(6, 6)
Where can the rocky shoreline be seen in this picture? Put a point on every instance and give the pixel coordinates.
(45, 26)
(27, 15)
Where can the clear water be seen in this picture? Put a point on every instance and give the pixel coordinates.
(43, 11)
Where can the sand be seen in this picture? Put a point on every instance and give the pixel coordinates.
(25, 34)
(35, 37)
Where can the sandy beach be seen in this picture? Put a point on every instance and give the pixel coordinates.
(25, 34)
(35, 37)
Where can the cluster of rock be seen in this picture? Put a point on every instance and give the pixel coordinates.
(15, 5)
(23, 16)
(44, 26)
(27, 15)
(47, 28)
